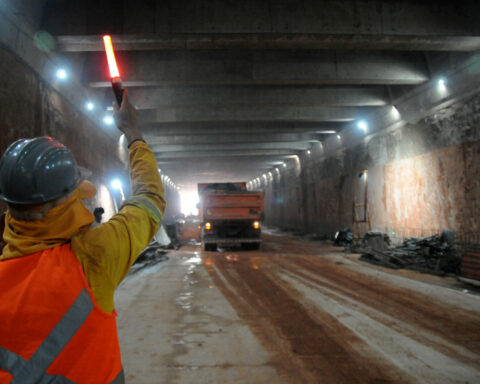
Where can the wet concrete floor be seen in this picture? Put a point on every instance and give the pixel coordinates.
(296, 311)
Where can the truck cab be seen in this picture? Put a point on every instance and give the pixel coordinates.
(230, 214)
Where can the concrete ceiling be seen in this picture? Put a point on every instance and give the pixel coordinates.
(227, 90)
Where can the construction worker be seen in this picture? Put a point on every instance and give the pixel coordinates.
(57, 278)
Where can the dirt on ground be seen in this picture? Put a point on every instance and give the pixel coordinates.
(280, 290)
(296, 311)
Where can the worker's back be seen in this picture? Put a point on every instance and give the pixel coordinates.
(41, 293)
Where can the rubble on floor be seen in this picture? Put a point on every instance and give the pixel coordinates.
(435, 254)
(372, 240)
(153, 254)
(344, 237)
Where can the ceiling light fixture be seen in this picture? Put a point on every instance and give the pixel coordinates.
(362, 124)
(108, 120)
(61, 74)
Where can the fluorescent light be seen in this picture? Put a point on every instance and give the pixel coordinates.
(116, 184)
(395, 112)
(362, 124)
(442, 86)
(108, 120)
(61, 74)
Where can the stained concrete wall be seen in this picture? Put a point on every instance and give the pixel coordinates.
(29, 107)
(421, 178)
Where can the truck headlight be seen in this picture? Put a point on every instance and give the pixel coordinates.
(256, 225)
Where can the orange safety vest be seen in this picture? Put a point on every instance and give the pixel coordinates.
(51, 329)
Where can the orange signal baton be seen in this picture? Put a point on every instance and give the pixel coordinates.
(114, 73)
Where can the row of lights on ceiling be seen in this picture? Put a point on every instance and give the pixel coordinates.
(116, 184)
(362, 125)
(166, 180)
(257, 180)
(63, 75)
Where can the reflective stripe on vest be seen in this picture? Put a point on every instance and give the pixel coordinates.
(33, 371)
(145, 204)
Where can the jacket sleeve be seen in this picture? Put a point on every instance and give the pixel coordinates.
(108, 251)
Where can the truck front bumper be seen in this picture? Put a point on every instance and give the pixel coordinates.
(223, 240)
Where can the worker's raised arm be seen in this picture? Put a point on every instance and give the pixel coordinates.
(108, 251)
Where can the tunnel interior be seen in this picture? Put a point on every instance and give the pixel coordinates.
(326, 119)
(275, 94)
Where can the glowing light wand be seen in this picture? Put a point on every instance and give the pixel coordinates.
(114, 74)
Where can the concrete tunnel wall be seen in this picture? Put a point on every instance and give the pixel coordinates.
(30, 106)
(421, 179)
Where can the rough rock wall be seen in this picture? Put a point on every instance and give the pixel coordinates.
(29, 107)
(421, 178)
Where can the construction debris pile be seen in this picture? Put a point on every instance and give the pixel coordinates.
(153, 254)
(343, 237)
(435, 254)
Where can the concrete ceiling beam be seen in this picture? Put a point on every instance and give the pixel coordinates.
(230, 138)
(219, 152)
(192, 114)
(188, 68)
(287, 146)
(239, 127)
(147, 42)
(257, 95)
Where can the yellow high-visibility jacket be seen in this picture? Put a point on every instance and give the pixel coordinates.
(108, 251)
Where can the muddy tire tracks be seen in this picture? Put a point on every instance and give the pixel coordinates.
(309, 347)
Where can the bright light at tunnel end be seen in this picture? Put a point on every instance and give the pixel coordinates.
(189, 202)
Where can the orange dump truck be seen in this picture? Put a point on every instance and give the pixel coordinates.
(230, 215)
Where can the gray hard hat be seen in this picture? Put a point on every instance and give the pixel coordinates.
(35, 171)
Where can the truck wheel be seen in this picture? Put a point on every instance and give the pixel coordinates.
(254, 246)
(250, 246)
(210, 247)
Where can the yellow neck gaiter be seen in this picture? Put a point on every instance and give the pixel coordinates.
(58, 226)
